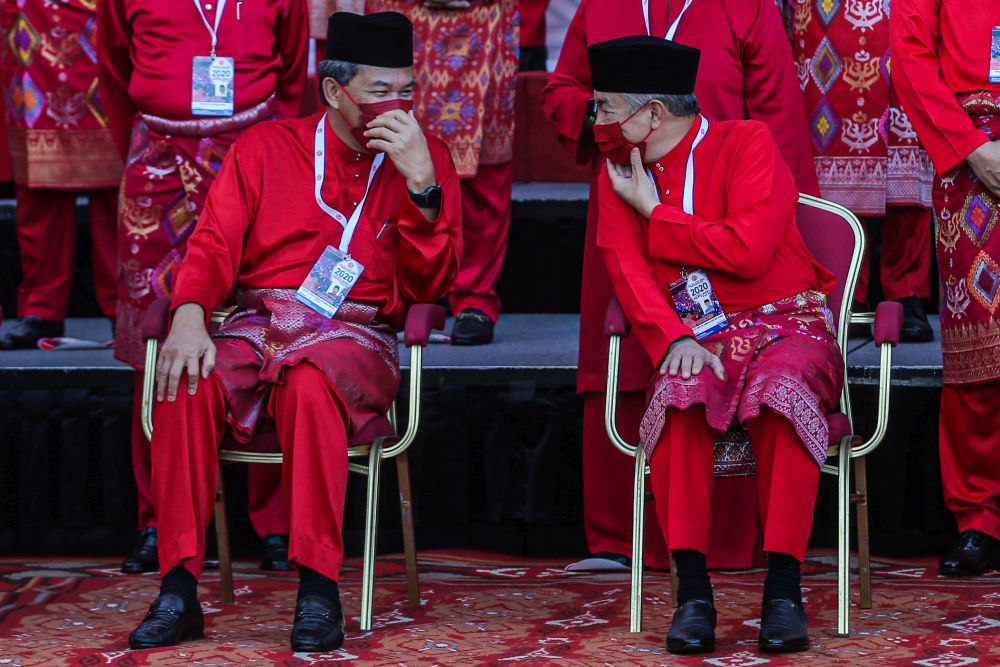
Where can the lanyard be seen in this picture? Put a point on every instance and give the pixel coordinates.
(673, 26)
(213, 31)
(688, 200)
(319, 171)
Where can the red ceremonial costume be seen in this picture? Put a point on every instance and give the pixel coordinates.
(466, 67)
(867, 154)
(146, 53)
(60, 148)
(783, 367)
(532, 14)
(315, 381)
(746, 71)
(941, 55)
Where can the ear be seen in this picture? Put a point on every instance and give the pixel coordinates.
(331, 92)
(658, 114)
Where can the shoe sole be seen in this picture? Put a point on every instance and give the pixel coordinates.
(784, 647)
(466, 341)
(316, 648)
(189, 636)
(688, 649)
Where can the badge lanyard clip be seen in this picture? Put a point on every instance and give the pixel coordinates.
(673, 26)
(212, 30)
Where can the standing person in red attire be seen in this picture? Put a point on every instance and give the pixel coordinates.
(690, 206)
(276, 228)
(60, 148)
(182, 80)
(868, 158)
(746, 71)
(534, 52)
(946, 57)
(466, 66)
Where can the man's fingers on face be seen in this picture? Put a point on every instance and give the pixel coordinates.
(381, 133)
(381, 146)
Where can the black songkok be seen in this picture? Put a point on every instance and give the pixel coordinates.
(384, 39)
(644, 64)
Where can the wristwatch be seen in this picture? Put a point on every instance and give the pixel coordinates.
(429, 198)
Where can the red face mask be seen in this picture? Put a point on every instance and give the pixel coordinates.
(613, 144)
(370, 111)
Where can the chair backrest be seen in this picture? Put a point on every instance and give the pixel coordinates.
(836, 239)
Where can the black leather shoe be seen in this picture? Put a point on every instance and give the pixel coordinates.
(29, 331)
(916, 328)
(276, 553)
(975, 553)
(319, 625)
(783, 627)
(693, 628)
(144, 557)
(472, 327)
(858, 330)
(168, 622)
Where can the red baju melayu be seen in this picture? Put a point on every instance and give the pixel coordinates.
(867, 154)
(941, 58)
(60, 147)
(745, 71)
(532, 14)
(318, 381)
(146, 52)
(783, 367)
(466, 68)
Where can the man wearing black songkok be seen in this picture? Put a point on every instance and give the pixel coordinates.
(697, 228)
(326, 227)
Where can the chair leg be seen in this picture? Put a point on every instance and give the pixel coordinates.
(409, 535)
(222, 540)
(371, 528)
(638, 538)
(864, 549)
(843, 540)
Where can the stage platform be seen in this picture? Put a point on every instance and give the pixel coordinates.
(528, 347)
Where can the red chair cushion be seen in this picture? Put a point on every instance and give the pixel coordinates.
(157, 320)
(421, 319)
(840, 427)
(888, 321)
(831, 241)
(615, 322)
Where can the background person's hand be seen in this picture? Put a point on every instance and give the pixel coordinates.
(632, 183)
(686, 358)
(187, 347)
(985, 162)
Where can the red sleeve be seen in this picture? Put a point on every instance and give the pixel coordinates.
(945, 130)
(773, 95)
(214, 252)
(427, 260)
(115, 61)
(760, 197)
(293, 43)
(621, 238)
(570, 88)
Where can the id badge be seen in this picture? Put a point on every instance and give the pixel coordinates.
(329, 282)
(212, 86)
(995, 55)
(697, 305)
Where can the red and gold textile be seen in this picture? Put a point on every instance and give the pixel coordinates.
(466, 68)
(968, 254)
(171, 166)
(56, 118)
(867, 152)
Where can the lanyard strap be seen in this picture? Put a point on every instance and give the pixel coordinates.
(688, 200)
(319, 171)
(673, 26)
(212, 30)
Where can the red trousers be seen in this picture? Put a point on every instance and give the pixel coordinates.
(532, 21)
(905, 264)
(311, 425)
(486, 207)
(46, 234)
(681, 476)
(268, 511)
(970, 455)
(608, 476)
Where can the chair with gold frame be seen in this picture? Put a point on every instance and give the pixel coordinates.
(837, 240)
(376, 443)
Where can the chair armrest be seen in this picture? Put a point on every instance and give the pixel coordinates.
(156, 322)
(420, 321)
(888, 322)
(615, 322)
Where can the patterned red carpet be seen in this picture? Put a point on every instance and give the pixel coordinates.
(486, 609)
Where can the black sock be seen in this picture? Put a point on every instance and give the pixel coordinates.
(692, 576)
(784, 580)
(181, 582)
(312, 582)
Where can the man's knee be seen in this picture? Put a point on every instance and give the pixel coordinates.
(305, 383)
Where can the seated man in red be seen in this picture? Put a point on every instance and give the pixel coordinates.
(354, 202)
(697, 226)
